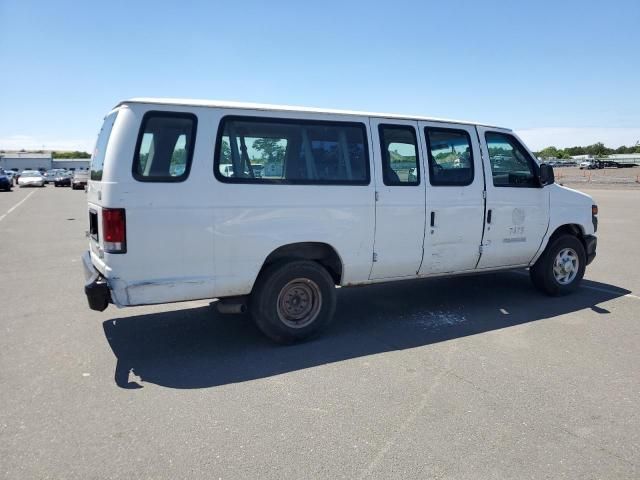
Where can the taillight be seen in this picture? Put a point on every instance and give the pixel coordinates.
(114, 230)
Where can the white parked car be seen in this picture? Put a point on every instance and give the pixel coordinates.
(329, 210)
(587, 165)
(31, 178)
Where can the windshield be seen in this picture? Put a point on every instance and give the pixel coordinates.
(30, 174)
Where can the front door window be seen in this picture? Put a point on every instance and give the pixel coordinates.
(511, 164)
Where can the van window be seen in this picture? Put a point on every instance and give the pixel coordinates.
(399, 155)
(97, 159)
(165, 147)
(260, 150)
(450, 157)
(511, 165)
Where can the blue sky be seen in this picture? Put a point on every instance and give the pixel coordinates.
(559, 72)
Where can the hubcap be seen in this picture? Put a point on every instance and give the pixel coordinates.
(299, 302)
(566, 266)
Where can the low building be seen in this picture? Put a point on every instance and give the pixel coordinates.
(613, 156)
(71, 163)
(40, 161)
(625, 156)
(25, 161)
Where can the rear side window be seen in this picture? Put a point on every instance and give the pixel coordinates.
(399, 155)
(450, 157)
(261, 150)
(164, 150)
(97, 159)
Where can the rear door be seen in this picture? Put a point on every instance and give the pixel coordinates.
(400, 194)
(455, 204)
(94, 191)
(158, 173)
(517, 206)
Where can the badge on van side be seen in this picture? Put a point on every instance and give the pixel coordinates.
(518, 216)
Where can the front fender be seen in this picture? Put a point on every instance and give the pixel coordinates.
(567, 208)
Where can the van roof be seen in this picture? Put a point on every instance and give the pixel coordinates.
(288, 108)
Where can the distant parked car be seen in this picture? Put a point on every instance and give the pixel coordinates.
(31, 178)
(79, 180)
(51, 175)
(226, 169)
(63, 179)
(587, 165)
(5, 181)
(12, 176)
(258, 169)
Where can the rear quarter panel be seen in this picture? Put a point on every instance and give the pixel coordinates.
(202, 238)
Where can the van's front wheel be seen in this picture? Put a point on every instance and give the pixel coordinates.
(293, 301)
(560, 269)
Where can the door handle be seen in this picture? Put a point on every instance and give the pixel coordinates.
(489, 216)
(433, 219)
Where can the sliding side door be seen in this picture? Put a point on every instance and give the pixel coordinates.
(455, 203)
(400, 199)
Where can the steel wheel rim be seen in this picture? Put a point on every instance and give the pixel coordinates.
(566, 266)
(299, 303)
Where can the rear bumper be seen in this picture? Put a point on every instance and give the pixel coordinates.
(590, 242)
(96, 287)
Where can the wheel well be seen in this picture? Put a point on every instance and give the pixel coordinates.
(569, 229)
(322, 253)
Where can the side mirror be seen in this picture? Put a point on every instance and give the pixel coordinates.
(546, 175)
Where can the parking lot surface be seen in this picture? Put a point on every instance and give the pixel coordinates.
(599, 178)
(473, 377)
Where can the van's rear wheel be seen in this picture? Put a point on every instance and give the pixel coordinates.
(293, 301)
(560, 269)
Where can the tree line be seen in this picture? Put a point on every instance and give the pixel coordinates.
(74, 154)
(596, 150)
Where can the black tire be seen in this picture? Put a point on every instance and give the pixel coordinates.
(286, 289)
(542, 272)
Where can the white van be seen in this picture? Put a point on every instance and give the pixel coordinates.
(178, 212)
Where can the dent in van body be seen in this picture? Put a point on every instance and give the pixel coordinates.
(177, 290)
(116, 286)
(244, 236)
(242, 239)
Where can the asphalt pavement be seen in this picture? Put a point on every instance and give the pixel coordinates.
(477, 377)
